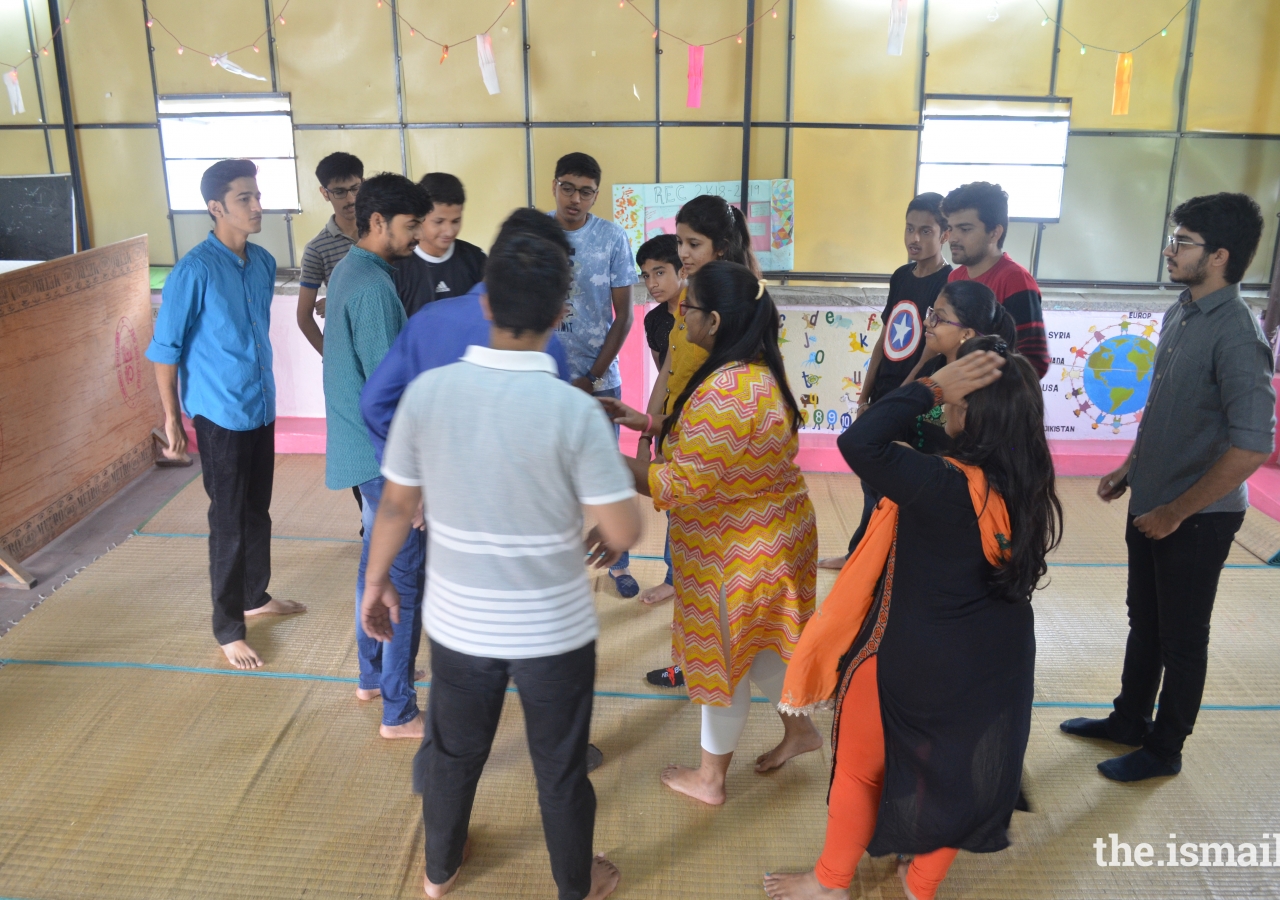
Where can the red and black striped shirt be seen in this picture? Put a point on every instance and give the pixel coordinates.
(1018, 292)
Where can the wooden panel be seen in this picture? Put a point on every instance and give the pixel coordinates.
(969, 53)
(700, 153)
(107, 61)
(1235, 79)
(124, 193)
(338, 63)
(78, 399)
(24, 153)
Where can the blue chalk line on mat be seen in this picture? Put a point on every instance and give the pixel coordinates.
(623, 695)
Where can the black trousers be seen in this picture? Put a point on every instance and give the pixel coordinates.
(1172, 586)
(238, 468)
(869, 500)
(463, 709)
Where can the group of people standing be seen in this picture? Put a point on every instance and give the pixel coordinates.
(473, 423)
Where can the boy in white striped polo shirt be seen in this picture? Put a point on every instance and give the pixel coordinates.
(503, 456)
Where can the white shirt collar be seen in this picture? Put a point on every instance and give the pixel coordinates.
(436, 260)
(511, 360)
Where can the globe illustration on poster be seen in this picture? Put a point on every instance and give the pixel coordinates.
(1110, 374)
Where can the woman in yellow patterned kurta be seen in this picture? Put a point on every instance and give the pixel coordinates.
(743, 532)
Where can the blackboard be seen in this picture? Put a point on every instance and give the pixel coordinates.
(37, 217)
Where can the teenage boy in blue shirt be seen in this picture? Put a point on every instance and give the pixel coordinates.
(212, 350)
(599, 311)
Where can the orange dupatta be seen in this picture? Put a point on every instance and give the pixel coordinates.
(813, 671)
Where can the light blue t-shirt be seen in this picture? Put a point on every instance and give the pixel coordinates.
(601, 261)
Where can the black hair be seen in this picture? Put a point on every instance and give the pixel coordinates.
(339, 167)
(578, 164)
(444, 189)
(528, 221)
(663, 248)
(988, 200)
(527, 279)
(1226, 221)
(977, 308)
(748, 331)
(1004, 436)
(724, 225)
(930, 203)
(215, 183)
(389, 195)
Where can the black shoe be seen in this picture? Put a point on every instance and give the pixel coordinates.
(670, 677)
(1098, 729)
(595, 759)
(1140, 765)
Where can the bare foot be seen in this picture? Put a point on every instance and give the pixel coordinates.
(439, 890)
(277, 607)
(414, 728)
(660, 593)
(902, 874)
(800, 886)
(801, 737)
(696, 783)
(375, 693)
(604, 878)
(833, 562)
(241, 655)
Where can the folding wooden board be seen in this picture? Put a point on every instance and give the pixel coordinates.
(78, 399)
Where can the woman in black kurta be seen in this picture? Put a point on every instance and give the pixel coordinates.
(952, 635)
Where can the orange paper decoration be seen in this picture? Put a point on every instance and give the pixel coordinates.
(1124, 77)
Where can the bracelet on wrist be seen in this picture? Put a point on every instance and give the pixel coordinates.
(934, 388)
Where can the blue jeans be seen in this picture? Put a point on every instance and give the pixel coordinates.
(666, 556)
(389, 666)
(616, 394)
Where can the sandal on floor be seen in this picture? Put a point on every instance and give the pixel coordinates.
(670, 677)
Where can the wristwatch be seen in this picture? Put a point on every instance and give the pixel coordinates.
(597, 384)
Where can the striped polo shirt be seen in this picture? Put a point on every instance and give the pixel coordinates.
(506, 455)
(322, 253)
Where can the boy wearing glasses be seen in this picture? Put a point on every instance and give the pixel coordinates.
(441, 265)
(599, 310)
(340, 176)
(1209, 423)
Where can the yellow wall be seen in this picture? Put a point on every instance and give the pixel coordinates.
(592, 63)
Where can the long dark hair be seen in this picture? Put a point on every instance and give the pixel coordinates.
(724, 225)
(748, 331)
(977, 308)
(1004, 436)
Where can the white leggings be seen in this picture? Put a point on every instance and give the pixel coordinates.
(722, 725)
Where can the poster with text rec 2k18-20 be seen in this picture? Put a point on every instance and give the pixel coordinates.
(1099, 375)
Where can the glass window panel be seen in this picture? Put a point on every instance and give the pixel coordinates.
(168, 106)
(224, 137)
(993, 141)
(1035, 192)
(277, 180)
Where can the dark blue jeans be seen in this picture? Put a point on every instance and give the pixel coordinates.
(389, 666)
(666, 555)
(616, 394)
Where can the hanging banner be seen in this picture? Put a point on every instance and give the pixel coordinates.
(897, 26)
(488, 68)
(1124, 79)
(693, 99)
(1096, 387)
(648, 210)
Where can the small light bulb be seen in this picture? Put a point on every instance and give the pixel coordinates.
(213, 61)
(44, 50)
(1044, 21)
(655, 34)
(150, 22)
(179, 49)
(1082, 49)
(282, 20)
(412, 33)
(255, 48)
(1164, 32)
(739, 39)
(66, 21)
(379, 4)
(622, 3)
(775, 13)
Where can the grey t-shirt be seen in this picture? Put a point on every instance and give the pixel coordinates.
(506, 455)
(1210, 390)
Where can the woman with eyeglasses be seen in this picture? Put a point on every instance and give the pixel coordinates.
(743, 531)
(925, 646)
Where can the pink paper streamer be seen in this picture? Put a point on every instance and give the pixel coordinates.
(694, 100)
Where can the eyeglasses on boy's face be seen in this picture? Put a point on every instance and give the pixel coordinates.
(342, 192)
(686, 306)
(1174, 243)
(567, 191)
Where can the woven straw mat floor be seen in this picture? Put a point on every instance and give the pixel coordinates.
(137, 765)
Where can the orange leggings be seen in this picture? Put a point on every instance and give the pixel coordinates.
(855, 794)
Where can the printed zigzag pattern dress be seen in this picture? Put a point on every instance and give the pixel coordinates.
(740, 518)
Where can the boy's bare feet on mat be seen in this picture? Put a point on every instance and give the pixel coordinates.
(604, 878)
(277, 607)
(414, 728)
(375, 693)
(699, 783)
(800, 886)
(241, 655)
(659, 593)
(436, 891)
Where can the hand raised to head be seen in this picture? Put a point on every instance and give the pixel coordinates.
(968, 374)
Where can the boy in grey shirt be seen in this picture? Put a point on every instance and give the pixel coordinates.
(507, 593)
